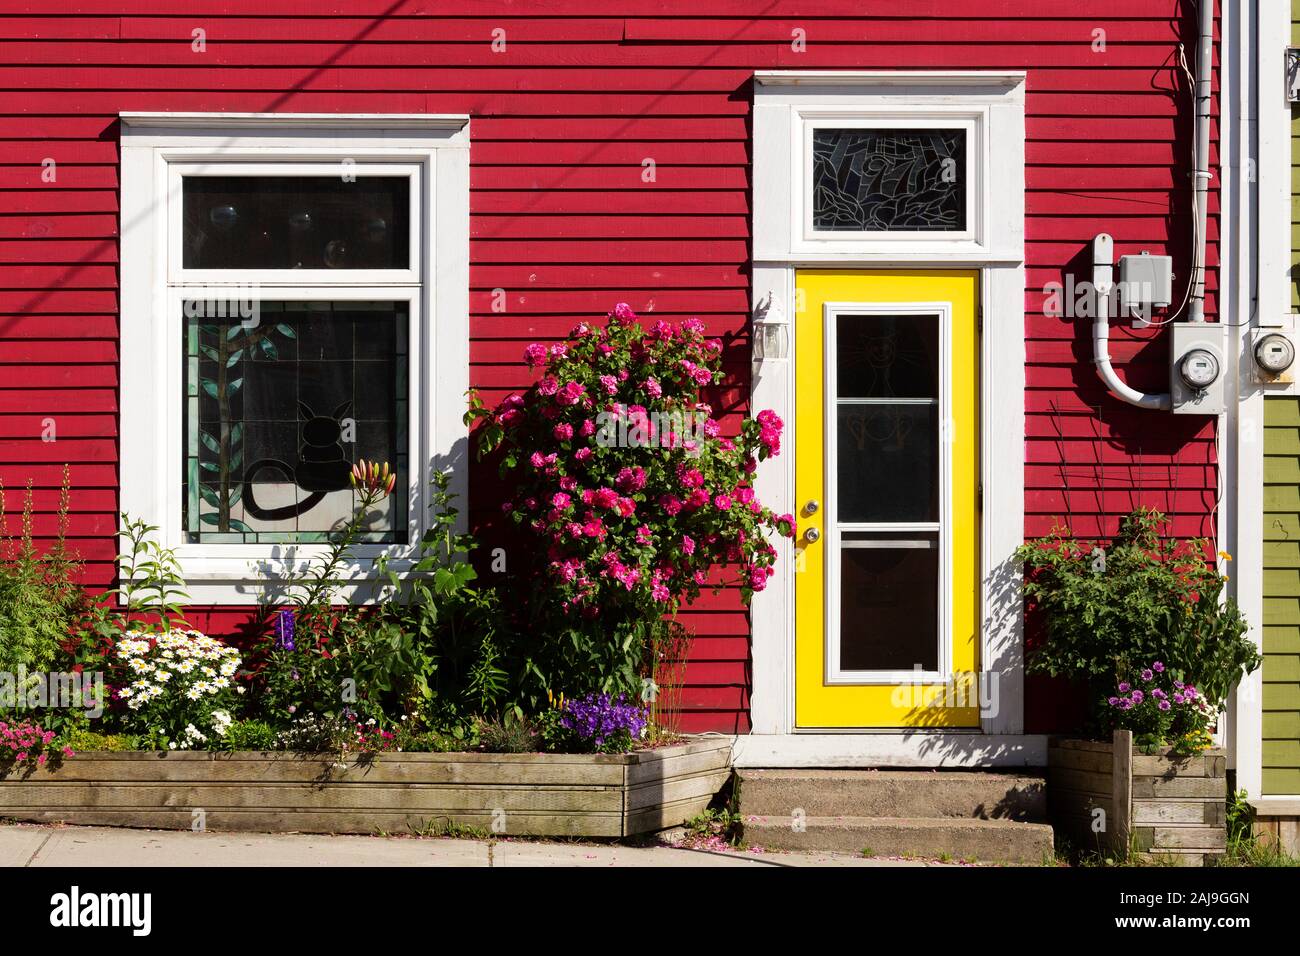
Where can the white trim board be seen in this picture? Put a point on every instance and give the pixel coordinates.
(1255, 265)
(439, 281)
(1002, 386)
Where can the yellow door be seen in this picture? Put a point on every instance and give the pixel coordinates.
(887, 477)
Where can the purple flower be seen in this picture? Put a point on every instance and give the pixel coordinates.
(284, 628)
(1158, 667)
(1124, 687)
(1114, 702)
(1158, 694)
(1138, 697)
(1165, 705)
(597, 717)
(1147, 675)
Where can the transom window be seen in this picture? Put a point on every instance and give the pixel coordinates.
(889, 177)
(889, 180)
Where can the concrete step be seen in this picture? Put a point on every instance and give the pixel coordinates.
(984, 841)
(909, 794)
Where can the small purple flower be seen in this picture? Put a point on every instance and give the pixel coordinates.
(284, 628)
(1138, 697)
(1158, 694)
(1164, 705)
(1158, 667)
(1178, 684)
(598, 716)
(1179, 698)
(1124, 687)
(1147, 675)
(1114, 702)
(1190, 692)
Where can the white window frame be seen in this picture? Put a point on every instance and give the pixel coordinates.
(157, 148)
(972, 122)
(832, 311)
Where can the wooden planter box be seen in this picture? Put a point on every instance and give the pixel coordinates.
(601, 795)
(1164, 807)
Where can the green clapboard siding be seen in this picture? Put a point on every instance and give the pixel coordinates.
(1282, 595)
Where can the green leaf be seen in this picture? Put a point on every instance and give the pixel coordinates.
(211, 388)
(209, 352)
(234, 358)
(286, 330)
(210, 496)
(237, 525)
(233, 386)
(211, 442)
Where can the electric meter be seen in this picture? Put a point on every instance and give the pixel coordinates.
(1199, 368)
(1274, 353)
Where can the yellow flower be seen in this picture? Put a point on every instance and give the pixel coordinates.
(1225, 555)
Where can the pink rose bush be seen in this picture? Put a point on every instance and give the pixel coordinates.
(632, 496)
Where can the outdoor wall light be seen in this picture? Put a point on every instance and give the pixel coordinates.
(771, 330)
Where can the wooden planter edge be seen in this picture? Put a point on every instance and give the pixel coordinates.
(603, 795)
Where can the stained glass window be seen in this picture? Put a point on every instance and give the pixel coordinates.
(281, 400)
(889, 180)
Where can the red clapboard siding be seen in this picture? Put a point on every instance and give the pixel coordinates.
(564, 225)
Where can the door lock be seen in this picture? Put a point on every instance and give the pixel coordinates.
(812, 507)
(812, 535)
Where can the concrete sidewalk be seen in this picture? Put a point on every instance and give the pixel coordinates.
(35, 845)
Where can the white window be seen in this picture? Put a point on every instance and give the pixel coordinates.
(294, 298)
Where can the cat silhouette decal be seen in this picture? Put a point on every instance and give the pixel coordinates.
(322, 465)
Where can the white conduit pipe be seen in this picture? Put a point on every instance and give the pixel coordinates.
(1204, 58)
(1103, 260)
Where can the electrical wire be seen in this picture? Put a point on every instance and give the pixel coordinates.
(1196, 219)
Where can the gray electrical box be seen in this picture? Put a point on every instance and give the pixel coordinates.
(1198, 368)
(1145, 282)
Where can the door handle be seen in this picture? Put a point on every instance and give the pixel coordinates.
(812, 535)
(812, 507)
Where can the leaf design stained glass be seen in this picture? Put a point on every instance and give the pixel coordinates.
(889, 180)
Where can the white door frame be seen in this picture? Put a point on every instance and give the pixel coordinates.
(783, 103)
